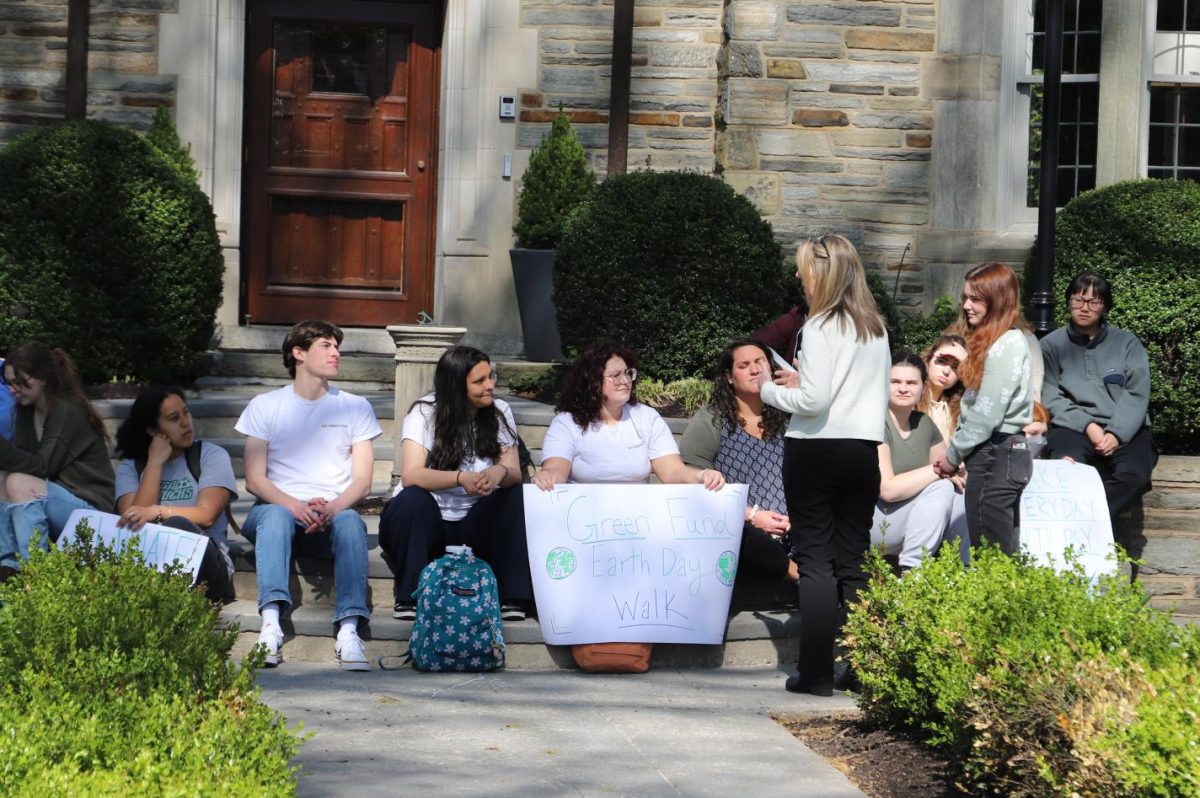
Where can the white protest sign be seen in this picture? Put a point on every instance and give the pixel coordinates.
(633, 563)
(160, 545)
(1062, 507)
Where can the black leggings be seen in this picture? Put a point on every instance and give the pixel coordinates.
(413, 534)
(218, 583)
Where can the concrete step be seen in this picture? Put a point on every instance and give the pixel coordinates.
(751, 638)
(359, 367)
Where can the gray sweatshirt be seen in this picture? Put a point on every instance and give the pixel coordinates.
(1105, 380)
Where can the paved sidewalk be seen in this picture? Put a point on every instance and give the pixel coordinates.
(551, 733)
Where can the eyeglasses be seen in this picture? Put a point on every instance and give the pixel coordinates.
(824, 253)
(1079, 302)
(618, 376)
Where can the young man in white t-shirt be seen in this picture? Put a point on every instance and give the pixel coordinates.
(309, 460)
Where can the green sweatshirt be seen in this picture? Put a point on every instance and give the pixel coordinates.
(70, 453)
(1105, 380)
(1002, 403)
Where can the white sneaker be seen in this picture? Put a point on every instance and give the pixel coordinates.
(271, 638)
(350, 654)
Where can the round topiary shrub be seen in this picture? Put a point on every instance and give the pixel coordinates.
(1144, 236)
(107, 250)
(673, 264)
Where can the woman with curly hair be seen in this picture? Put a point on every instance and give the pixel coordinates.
(460, 484)
(603, 434)
(742, 437)
(996, 407)
(57, 460)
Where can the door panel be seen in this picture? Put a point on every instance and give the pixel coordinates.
(342, 127)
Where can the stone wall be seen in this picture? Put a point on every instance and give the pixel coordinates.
(673, 87)
(812, 109)
(123, 84)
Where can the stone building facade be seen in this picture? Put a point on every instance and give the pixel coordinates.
(903, 124)
(125, 86)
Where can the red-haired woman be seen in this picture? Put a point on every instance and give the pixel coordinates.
(996, 407)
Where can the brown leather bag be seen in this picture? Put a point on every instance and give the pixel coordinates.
(613, 657)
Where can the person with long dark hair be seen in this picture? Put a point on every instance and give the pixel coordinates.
(742, 437)
(57, 460)
(460, 484)
(167, 476)
(603, 434)
(996, 406)
(830, 464)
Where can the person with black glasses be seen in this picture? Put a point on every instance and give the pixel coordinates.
(603, 434)
(1097, 390)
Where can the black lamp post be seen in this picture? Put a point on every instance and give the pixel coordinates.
(1042, 300)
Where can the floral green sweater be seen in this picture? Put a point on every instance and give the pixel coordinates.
(1002, 403)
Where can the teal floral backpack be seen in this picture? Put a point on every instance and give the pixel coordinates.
(458, 626)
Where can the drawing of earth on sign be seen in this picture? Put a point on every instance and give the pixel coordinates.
(560, 563)
(727, 567)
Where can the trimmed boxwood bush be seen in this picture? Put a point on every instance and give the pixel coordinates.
(1028, 676)
(115, 679)
(672, 264)
(108, 250)
(1144, 236)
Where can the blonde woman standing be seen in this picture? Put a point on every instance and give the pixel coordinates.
(830, 457)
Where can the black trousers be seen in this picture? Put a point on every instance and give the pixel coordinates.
(413, 534)
(1125, 473)
(761, 554)
(218, 584)
(997, 473)
(831, 487)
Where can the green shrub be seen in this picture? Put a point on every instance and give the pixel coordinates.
(1019, 671)
(163, 136)
(555, 182)
(1144, 236)
(689, 394)
(115, 679)
(672, 264)
(917, 333)
(107, 251)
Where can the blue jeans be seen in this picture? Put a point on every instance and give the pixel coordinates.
(274, 531)
(48, 515)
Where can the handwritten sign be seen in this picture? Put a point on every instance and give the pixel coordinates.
(633, 563)
(160, 545)
(1062, 507)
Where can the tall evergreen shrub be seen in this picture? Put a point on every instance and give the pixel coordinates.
(108, 250)
(555, 182)
(1144, 236)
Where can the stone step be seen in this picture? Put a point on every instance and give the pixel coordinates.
(358, 367)
(751, 638)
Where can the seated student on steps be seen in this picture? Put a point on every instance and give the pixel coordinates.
(460, 484)
(309, 460)
(167, 476)
(57, 461)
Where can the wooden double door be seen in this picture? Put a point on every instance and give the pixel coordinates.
(340, 170)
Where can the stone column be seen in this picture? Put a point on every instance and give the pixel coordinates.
(418, 347)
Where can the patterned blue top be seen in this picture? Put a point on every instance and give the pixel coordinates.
(742, 458)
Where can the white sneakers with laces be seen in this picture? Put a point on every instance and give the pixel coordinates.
(271, 638)
(349, 651)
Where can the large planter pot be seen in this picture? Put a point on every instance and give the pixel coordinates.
(533, 274)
